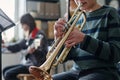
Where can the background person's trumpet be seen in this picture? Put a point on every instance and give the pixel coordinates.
(41, 73)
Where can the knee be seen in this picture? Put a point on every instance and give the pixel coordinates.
(7, 75)
(4, 70)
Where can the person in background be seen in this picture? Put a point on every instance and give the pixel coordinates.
(34, 44)
(97, 45)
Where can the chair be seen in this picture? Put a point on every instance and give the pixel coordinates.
(26, 77)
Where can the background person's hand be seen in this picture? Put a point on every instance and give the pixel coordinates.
(30, 50)
(3, 45)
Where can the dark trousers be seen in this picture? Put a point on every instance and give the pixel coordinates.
(11, 72)
(69, 75)
(85, 75)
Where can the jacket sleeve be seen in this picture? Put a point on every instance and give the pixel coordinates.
(39, 56)
(18, 46)
(107, 50)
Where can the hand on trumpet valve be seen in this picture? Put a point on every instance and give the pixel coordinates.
(74, 38)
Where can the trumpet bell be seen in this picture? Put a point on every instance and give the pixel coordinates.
(39, 73)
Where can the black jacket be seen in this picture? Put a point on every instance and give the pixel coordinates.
(39, 56)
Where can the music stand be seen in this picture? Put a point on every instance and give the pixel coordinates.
(5, 23)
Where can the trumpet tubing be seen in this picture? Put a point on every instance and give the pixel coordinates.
(41, 72)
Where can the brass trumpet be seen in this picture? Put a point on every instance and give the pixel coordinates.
(41, 73)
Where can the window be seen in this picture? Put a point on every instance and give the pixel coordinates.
(8, 6)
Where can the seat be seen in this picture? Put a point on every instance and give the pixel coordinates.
(26, 77)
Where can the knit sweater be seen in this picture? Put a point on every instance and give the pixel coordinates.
(101, 45)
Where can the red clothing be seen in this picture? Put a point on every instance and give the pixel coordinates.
(34, 33)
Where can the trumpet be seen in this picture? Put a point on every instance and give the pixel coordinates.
(41, 72)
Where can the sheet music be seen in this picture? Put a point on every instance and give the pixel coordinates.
(5, 21)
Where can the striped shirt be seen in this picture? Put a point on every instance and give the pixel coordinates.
(101, 45)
